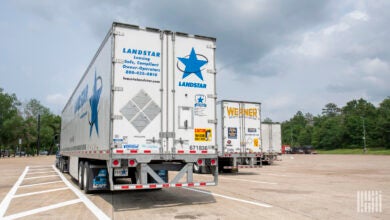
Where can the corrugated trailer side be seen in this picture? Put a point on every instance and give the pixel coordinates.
(145, 106)
(85, 127)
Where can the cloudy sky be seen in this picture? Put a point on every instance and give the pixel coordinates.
(288, 55)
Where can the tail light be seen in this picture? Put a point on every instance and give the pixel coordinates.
(116, 163)
(132, 163)
(200, 162)
(213, 162)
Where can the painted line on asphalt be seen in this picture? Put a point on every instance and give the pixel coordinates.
(271, 174)
(40, 192)
(37, 177)
(47, 169)
(231, 198)
(39, 166)
(90, 205)
(41, 172)
(38, 184)
(42, 209)
(252, 181)
(7, 199)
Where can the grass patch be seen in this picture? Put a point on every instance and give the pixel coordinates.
(372, 151)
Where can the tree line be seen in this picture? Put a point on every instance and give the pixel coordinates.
(354, 125)
(20, 123)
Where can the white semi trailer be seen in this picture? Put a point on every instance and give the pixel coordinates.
(239, 135)
(145, 105)
(272, 141)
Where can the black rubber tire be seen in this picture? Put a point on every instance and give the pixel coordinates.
(86, 178)
(81, 175)
(61, 165)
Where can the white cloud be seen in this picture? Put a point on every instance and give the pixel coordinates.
(56, 101)
(358, 15)
(288, 55)
(374, 66)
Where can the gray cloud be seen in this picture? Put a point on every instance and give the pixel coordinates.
(289, 55)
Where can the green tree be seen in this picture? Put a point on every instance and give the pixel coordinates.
(296, 132)
(358, 115)
(267, 120)
(331, 110)
(327, 133)
(382, 131)
(49, 125)
(8, 114)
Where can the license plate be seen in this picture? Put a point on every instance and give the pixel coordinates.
(121, 172)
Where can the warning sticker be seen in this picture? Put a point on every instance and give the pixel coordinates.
(202, 134)
(256, 142)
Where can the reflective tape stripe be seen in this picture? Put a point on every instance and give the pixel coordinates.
(164, 185)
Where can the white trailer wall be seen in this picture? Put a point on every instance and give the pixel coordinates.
(166, 88)
(86, 117)
(239, 127)
(271, 138)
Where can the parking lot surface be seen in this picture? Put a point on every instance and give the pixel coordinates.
(298, 187)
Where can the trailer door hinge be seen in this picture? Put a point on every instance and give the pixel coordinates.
(116, 117)
(117, 89)
(212, 71)
(118, 33)
(118, 60)
(212, 121)
(211, 96)
(167, 134)
(211, 46)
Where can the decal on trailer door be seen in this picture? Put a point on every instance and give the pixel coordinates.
(140, 110)
(203, 134)
(232, 133)
(246, 112)
(141, 65)
(192, 64)
(200, 105)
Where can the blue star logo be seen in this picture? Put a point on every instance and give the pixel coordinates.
(94, 103)
(192, 64)
(200, 100)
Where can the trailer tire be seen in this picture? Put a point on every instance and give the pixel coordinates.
(61, 165)
(81, 175)
(86, 178)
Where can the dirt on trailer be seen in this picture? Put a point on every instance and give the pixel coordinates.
(298, 187)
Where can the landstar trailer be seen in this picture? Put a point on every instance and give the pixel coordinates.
(145, 106)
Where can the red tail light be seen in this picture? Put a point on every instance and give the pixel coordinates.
(213, 161)
(132, 163)
(115, 163)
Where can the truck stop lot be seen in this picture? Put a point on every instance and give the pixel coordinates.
(298, 187)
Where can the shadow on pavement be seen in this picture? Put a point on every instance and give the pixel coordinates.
(153, 199)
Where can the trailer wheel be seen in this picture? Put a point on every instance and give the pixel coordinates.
(61, 165)
(81, 175)
(86, 178)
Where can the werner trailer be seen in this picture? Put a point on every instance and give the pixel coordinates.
(145, 106)
(239, 135)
